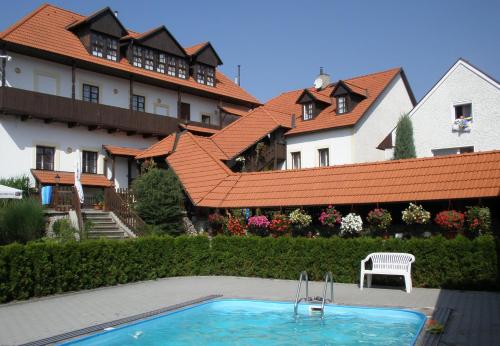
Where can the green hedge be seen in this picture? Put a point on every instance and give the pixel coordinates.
(40, 269)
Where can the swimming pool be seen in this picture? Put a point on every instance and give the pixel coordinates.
(249, 322)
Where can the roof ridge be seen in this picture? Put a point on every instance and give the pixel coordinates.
(384, 162)
(236, 121)
(274, 119)
(219, 162)
(373, 73)
(238, 177)
(23, 20)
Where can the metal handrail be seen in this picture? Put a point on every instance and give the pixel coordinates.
(328, 278)
(303, 275)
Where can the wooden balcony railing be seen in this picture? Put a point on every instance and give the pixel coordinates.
(56, 108)
(123, 210)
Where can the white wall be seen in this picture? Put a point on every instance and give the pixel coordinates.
(202, 106)
(18, 142)
(379, 120)
(432, 119)
(338, 141)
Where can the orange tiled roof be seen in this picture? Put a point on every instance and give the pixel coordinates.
(68, 178)
(121, 151)
(210, 183)
(161, 148)
(233, 109)
(370, 85)
(244, 132)
(194, 49)
(200, 129)
(46, 29)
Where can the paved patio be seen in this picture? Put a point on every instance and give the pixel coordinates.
(475, 319)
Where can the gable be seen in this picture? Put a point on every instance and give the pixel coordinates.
(305, 97)
(208, 56)
(162, 40)
(103, 21)
(340, 90)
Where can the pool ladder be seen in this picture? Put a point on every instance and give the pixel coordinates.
(303, 276)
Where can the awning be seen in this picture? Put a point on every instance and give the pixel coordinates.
(121, 151)
(68, 178)
(10, 192)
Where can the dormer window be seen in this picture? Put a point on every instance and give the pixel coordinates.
(171, 66)
(341, 105)
(162, 60)
(137, 56)
(104, 47)
(149, 58)
(307, 110)
(182, 68)
(205, 75)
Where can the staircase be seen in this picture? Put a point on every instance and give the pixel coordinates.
(104, 225)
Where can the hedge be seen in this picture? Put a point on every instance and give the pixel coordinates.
(39, 269)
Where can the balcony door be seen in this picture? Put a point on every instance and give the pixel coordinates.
(185, 112)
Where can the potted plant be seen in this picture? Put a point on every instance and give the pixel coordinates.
(351, 225)
(280, 225)
(300, 220)
(379, 220)
(235, 226)
(416, 215)
(99, 204)
(478, 220)
(258, 225)
(216, 222)
(451, 221)
(330, 217)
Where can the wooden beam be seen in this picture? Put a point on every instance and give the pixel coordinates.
(73, 81)
(72, 124)
(112, 130)
(92, 127)
(48, 121)
(25, 117)
(131, 133)
(147, 135)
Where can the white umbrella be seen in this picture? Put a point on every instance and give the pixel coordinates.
(78, 175)
(10, 192)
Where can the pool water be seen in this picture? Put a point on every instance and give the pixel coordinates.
(248, 322)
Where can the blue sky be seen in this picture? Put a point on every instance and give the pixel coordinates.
(281, 44)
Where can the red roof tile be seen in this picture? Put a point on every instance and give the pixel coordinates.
(46, 29)
(68, 178)
(194, 49)
(161, 148)
(122, 151)
(235, 110)
(200, 129)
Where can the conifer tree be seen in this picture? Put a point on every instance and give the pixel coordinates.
(405, 147)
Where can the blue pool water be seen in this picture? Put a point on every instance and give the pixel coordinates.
(248, 322)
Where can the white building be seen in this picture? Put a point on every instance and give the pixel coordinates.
(460, 114)
(343, 123)
(85, 85)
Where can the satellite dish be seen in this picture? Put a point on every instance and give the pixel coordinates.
(318, 83)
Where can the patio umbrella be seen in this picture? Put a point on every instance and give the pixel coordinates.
(10, 192)
(78, 175)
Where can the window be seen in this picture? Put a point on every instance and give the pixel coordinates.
(162, 60)
(307, 110)
(137, 56)
(97, 45)
(341, 105)
(102, 46)
(138, 103)
(200, 75)
(452, 151)
(90, 93)
(324, 157)
(89, 162)
(205, 119)
(296, 160)
(149, 58)
(205, 75)
(172, 67)
(112, 49)
(210, 76)
(45, 158)
(182, 68)
(463, 111)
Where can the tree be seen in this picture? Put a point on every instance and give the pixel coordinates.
(405, 148)
(160, 200)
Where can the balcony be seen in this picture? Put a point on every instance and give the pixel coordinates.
(30, 104)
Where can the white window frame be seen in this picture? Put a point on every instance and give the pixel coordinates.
(344, 105)
(307, 111)
(323, 150)
(299, 155)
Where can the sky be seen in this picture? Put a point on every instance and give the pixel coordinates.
(281, 45)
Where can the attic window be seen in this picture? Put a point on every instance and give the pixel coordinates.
(205, 75)
(137, 56)
(104, 47)
(341, 105)
(149, 58)
(162, 60)
(182, 68)
(307, 110)
(171, 66)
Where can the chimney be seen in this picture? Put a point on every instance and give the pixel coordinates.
(322, 80)
(237, 80)
(293, 121)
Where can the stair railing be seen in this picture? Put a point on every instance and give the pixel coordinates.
(123, 210)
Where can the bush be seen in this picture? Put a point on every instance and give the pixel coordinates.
(478, 220)
(64, 231)
(404, 147)
(39, 269)
(21, 221)
(159, 199)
